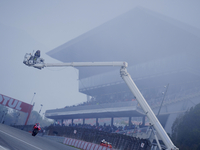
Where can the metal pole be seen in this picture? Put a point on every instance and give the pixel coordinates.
(39, 113)
(17, 117)
(33, 98)
(163, 99)
(3, 116)
(29, 109)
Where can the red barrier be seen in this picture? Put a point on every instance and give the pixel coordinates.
(70, 142)
(88, 146)
(96, 147)
(84, 145)
(92, 146)
(67, 142)
(79, 144)
(73, 142)
(76, 143)
(100, 147)
(104, 148)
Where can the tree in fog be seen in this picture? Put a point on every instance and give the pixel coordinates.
(36, 117)
(3, 111)
(186, 130)
(14, 117)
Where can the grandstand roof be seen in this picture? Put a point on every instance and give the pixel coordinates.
(137, 36)
(109, 110)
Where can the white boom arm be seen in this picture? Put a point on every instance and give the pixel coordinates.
(81, 64)
(156, 124)
(128, 80)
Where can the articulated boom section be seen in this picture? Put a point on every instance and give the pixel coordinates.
(128, 80)
(81, 64)
(154, 121)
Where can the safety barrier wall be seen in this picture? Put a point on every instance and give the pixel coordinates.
(84, 145)
(119, 141)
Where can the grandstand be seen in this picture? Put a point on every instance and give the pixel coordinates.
(159, 51)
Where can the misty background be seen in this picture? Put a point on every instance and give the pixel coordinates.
(31, 25)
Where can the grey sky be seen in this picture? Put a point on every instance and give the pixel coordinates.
(46, 24)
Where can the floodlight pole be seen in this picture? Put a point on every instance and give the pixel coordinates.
(128, 80)
(163, 100)
(39, 113)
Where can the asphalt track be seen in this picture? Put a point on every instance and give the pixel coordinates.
(15, 139)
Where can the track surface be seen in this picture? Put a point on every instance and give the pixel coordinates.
(15, 139)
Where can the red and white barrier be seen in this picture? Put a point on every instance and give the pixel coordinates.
(84, 145)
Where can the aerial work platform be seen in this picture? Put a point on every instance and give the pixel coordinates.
(132, 86)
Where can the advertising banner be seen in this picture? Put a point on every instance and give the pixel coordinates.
(16, 104)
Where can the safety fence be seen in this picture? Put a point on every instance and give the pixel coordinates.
(145, 133)
(119, 141)
(84, 145)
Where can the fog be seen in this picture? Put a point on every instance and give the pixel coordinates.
(45, 25)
